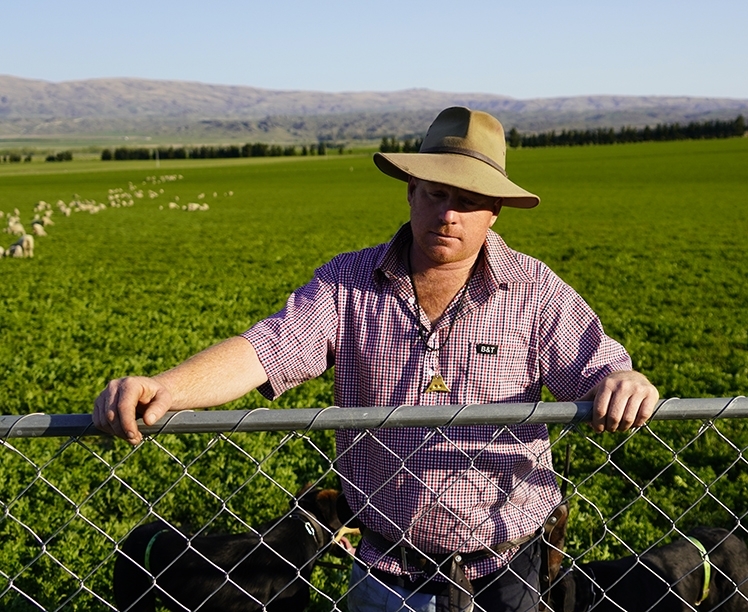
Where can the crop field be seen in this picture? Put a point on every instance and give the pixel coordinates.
(652, 235)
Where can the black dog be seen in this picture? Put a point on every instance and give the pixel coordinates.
(665, 579)
(270, 566)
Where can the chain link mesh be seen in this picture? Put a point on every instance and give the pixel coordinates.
(69, 503)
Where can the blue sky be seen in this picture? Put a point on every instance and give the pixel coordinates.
(523, 49)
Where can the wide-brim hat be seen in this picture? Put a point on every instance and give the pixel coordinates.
(465, 149)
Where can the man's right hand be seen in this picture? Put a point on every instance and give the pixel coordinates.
(124, 399)
(221, 373)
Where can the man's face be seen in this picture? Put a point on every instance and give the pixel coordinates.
(449, 224)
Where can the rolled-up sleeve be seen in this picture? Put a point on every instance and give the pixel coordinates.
(298, 343)
(575, 352)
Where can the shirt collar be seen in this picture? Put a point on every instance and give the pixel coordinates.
(500, 261)
(390, 262)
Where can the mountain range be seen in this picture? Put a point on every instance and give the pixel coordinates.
(188, 111)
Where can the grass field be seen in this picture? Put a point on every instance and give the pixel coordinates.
(652, 235)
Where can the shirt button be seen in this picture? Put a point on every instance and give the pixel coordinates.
(411, 300)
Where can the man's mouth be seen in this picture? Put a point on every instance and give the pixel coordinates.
(443, 235)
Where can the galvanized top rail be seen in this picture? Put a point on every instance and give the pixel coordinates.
(377, 417)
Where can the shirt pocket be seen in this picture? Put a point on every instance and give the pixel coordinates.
(499, 369)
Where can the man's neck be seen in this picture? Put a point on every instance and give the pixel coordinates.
(437, 284)
(420, 264)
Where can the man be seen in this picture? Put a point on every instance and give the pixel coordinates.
(445, 313)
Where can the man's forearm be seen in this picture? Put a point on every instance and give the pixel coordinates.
(219, 374)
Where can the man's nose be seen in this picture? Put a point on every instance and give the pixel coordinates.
(448, 211)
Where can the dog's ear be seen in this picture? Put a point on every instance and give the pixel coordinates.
(303, 491)
(304, 497)
(327, 510)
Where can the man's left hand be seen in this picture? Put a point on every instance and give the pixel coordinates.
(622, 400)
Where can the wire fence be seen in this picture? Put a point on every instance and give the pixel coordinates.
(81, 511)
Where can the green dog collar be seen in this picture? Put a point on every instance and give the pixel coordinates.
(707, 567)
(151, 542)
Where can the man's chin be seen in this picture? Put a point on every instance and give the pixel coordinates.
(442, 255)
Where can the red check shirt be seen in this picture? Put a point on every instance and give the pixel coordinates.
(449, 489)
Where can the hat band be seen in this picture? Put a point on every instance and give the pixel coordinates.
(469, 153)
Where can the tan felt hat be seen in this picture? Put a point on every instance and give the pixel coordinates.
(465, 149)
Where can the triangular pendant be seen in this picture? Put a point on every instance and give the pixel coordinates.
(437, 385)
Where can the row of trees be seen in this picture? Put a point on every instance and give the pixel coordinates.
(392, 145)
(60, 157)
(257, 149)
(672, 131)
(14, 158)
(661, 132)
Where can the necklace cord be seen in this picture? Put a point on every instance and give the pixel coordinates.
(424, 333)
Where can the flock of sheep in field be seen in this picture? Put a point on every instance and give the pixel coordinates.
(116, 198)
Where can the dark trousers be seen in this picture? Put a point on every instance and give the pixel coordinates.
(513, 588)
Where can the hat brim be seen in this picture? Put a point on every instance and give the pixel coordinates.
(458, 171)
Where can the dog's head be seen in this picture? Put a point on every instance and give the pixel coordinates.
(320, 503)
(323, 504)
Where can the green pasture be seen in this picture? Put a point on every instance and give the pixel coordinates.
(652, 235)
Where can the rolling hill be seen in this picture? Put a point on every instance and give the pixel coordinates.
(188, 111)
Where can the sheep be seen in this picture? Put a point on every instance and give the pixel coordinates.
(2, 251)
(38, 229)
(15, 250)
(194, 206)
(26, 244)
(45, 220)
(15, 228)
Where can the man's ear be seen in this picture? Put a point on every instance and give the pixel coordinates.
(412, 184)
(497, 209)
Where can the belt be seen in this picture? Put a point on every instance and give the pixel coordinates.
(459, 588)
(430, 563)
(419, 584)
